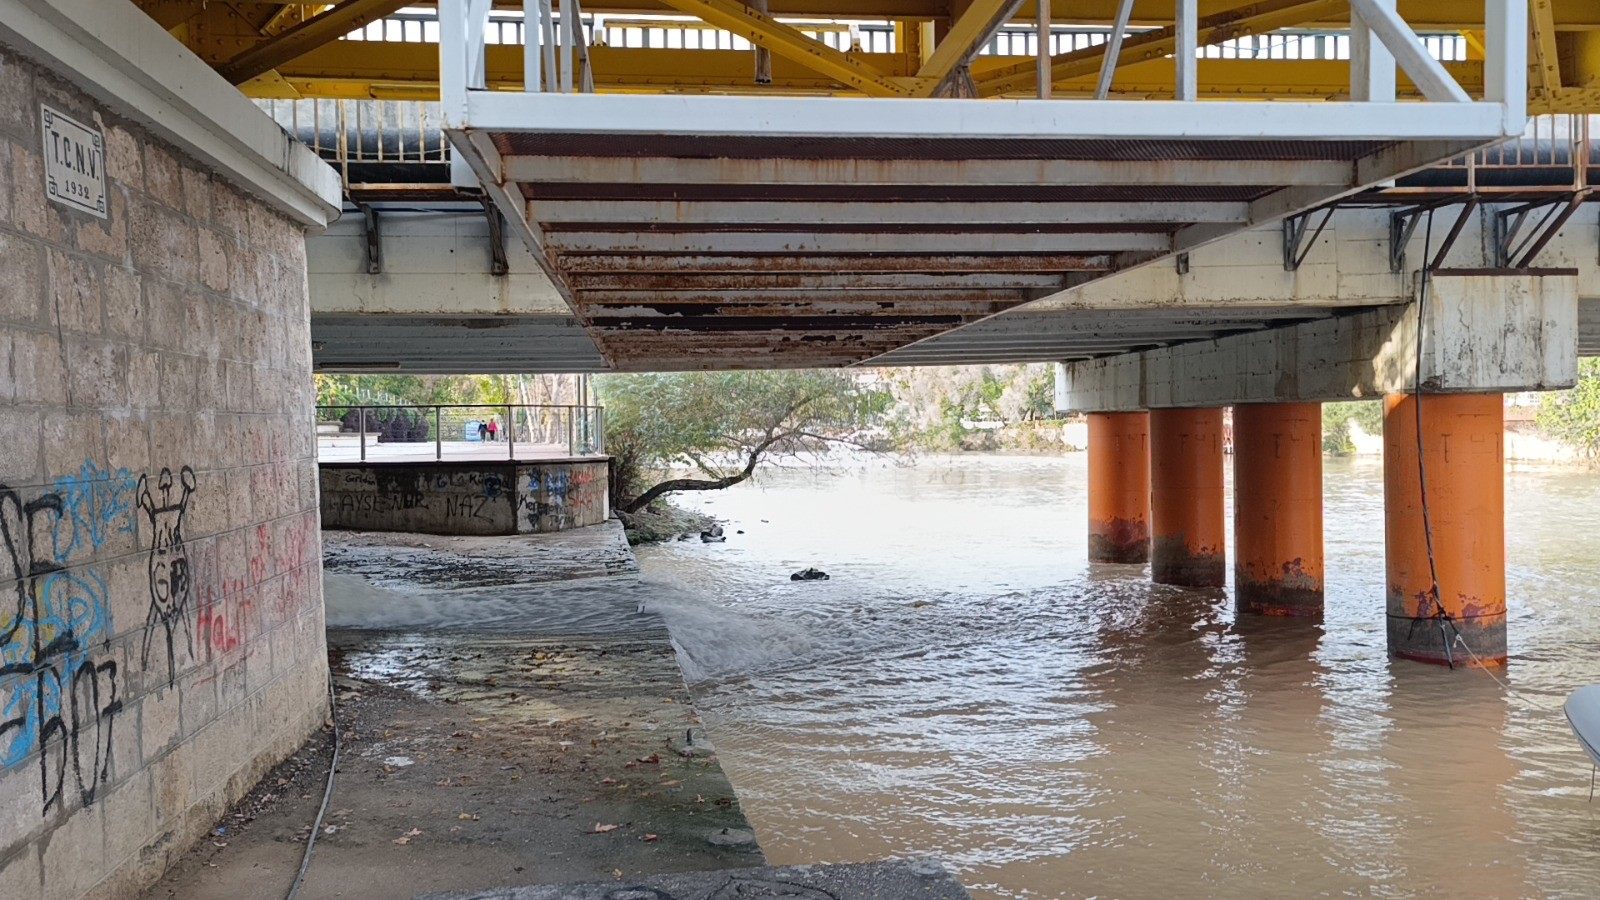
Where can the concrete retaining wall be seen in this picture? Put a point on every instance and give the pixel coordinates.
(472, 498)
(163, 645)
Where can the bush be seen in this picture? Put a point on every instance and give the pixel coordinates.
(1336, 419)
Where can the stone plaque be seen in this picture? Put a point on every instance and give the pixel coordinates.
(74, 163)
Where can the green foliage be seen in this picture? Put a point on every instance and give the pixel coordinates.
(937, 405)
(1336, 419)
(1573, 417)
(421, 390)
(720, 424)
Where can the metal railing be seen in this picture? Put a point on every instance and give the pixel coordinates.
(413, 433)
(666, 33)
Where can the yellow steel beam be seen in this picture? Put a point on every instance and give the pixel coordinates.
(1256, 18)
(361, 69)
(782, 40)
(966, 36)
(1544, 63)
(1422, 15)
(308, 35)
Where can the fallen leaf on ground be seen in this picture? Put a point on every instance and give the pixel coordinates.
(602, 829)
(651, 837)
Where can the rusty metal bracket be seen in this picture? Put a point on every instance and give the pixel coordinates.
(1462, 218)
(498, 265)
(1515, 248)
(1294, 234)
(374, 238)
(1403, 224)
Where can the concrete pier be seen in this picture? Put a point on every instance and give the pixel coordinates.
(1444, 528)
(1188, 540)
(1119, 487)
(1277, 508)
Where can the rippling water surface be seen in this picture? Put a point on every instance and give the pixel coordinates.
(967, 686)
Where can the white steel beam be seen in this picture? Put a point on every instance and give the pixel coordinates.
(989, 172)
(1372, 69)
(1186, 32)
(941, 216)
(1113, 57)
(532, 44)
(1426, 73)
(1505, 60)
(936, 262)
(801, 242)
(700, 116)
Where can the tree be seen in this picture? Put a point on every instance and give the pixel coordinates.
(721, 425)
(1573, 417)
(1336, 419)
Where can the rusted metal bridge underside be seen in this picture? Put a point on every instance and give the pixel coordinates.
(852, 203)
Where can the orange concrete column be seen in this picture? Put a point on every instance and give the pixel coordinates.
(1464, 465)
(1187, 522)
(1119, 487)
(1277, 508)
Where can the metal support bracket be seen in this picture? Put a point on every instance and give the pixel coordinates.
(1294, 234)
(1181, 261)
(498, 264)
(1514, 249)
(374, 238)
(1403, 225)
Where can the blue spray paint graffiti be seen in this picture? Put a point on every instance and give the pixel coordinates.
(55, 700)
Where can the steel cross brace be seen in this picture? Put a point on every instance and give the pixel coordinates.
(1294, 234)
(369, 218)
(498, 265)
(1514, 253)
(1403, 225)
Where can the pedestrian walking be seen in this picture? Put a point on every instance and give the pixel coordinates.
(483, 431)
(494, 429)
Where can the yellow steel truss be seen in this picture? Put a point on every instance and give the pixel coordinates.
(281, 49)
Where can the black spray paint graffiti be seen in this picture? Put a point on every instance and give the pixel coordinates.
(171, 574)
(57, 701)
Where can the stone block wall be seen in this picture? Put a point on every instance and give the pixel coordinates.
(466, 498)
(161, 637)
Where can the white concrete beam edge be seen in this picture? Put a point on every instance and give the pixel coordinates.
(126, 61)
(1497, 332)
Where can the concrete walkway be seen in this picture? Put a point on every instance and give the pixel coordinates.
(481, 753)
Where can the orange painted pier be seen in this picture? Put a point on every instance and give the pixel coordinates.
(1119, 487)
(1188, 542)
(1277, 509)
(1464, 463)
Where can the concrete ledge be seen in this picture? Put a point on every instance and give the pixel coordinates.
(124, 59)
(1484, 331)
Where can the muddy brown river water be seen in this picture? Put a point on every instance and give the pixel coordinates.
(967, 686)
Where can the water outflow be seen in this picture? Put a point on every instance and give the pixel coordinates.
(966, 686)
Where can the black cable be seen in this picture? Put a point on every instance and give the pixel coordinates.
(1446, 622)
(327, 793)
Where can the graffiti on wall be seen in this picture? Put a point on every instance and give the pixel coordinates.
(58, 694)
(557, 498)
(171, 573)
